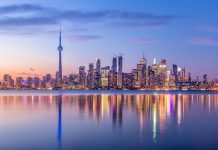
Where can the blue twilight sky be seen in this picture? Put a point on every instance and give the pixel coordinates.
(184, 32)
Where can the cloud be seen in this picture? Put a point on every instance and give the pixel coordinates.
(139, 40)
(208, 28)
(83, 37)
(19, 8)
(119, 17)
(27, 15)
(36, 21)
(208, 41)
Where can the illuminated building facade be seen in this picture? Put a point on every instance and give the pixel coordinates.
(90, 77)
(156, 76)
(82, 76)
(120, 71)
(112, 79)
(105, 77)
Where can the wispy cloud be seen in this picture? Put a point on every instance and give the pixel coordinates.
(140, 40)
(19, 8)
(208, 41)
(208, 28)
(26, 15)
(83, 37)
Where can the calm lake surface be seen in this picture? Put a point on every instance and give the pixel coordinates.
(108, 120)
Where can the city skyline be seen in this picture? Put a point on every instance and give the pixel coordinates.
(108, 74)
(104, 30)
(114, 65)
(145, 76)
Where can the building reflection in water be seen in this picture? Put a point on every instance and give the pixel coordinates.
(152, 111)
(59, 101)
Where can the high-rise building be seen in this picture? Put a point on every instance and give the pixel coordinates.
(175, 72)
(66, 79)
(8, 81)
(36, 82)
(105, 77)
(120, 71)
(183, 73)
(74, 79)
(19, 81)
(162, 71)
(205, 78)
(135, 83)
(112, 79)
(57, 76)
(29, 82)
(48, 77)
(97, 74)
(141, 68)
(98, 65)
(60, 49)
(114, 64)
(179, 73)
(151, 75)
(189, 77)
(163, 63)
(82, 76)
(7, 77)
(154, 66)
(90, 77)
(127, 80)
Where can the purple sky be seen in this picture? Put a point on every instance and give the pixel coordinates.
(183, 32)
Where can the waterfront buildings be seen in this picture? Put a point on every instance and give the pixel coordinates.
(82, 76)
(120, 71)
(105, 72)
(156, 76)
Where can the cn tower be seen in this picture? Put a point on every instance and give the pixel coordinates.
(60, 49)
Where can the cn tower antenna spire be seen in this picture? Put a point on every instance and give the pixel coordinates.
(60, 37)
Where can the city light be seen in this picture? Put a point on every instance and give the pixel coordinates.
(157, 76)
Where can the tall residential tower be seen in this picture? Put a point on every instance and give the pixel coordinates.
(120, 72)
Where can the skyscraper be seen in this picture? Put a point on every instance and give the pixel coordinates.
(29, 82)
(60, 49)
(135, 78)
(120, 71)
(82, 76)
(36, 82)
(113, 74)
(189, 77)
(162, 71)
(112, 79)
(98, 65)
(105, 77)
(90, 77)
(205, 78)
(175, 72)
(19, 81)
(183, 73)
(128, 80)
(114, 64)
(141, 68)
(8, 81)
(97, 74)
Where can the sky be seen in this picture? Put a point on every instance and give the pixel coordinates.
(184, 32)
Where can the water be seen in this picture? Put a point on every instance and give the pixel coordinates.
(108, 120)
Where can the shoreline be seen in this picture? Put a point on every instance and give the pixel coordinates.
(103, 92)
